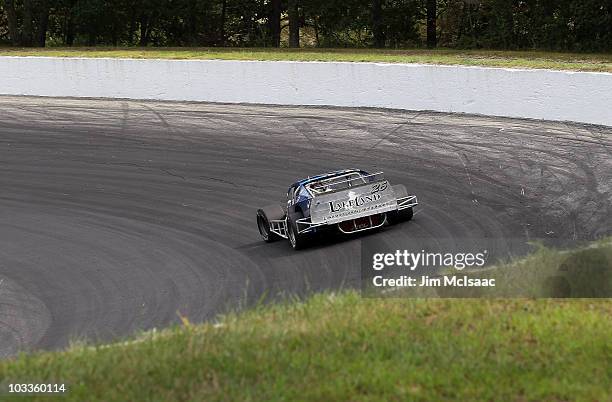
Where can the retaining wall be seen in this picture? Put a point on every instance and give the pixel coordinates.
(539, 94)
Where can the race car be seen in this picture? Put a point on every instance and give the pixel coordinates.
(350, 200)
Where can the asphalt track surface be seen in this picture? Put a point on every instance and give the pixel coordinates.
(116, 216)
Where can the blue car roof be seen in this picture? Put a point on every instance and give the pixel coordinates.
(325, 176)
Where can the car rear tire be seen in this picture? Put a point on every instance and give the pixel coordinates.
(403, 215)
(297, 240)
(264, 216)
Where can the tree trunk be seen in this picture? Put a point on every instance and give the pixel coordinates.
(43, 23)
(11, 16)
(377, 24)
(275, 22)
(431, 24)
(223, 16)
(144, 31)
(70, 30)
(115, 35)
(132, 28)
(27, 35)
(192, 24)
(294, 23)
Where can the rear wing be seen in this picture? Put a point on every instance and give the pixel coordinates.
(352, 198)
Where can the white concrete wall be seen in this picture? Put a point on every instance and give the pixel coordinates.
(540, 94)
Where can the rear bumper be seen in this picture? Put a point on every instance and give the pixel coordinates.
(361, 224)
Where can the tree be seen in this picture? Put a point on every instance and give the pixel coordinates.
(275, 22)
(27, 28)
(34, 18)
(11, 17)
(43, 23)
(401, 20)
(378, 29)
(222, 39)
(294, 23)
(431, 23)
(575, 25)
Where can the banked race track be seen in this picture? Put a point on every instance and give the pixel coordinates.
(119, 216)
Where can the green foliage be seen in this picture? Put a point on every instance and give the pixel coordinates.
(346, 348)
(567, 25)
(401, 17)
(578, 25)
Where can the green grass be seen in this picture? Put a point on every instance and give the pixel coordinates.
(335, 347)
(511, 59)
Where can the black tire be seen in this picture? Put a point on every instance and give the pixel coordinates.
(264, 216)
(297, 240)
(403, 215)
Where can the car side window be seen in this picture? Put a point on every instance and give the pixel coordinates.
(302, 194)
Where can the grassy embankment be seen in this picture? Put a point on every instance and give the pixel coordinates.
(491, 58)
(344, 347)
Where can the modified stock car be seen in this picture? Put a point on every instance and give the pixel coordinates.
(351, 200)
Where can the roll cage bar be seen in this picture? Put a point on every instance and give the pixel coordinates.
(341, 182)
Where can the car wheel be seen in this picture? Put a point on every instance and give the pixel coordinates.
(298, 240)
(403, 215)
(264, 216)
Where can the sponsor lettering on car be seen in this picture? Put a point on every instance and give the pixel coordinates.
(353, 201)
